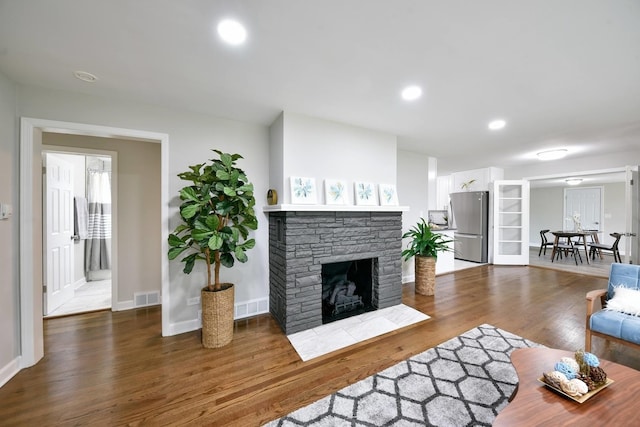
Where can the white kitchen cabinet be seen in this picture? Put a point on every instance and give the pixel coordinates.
(443, 188)
(482, 179)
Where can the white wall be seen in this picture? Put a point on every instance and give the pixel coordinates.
(322, 149)
(9, 303)
(191, 138)
(276, 157)
(413, 191)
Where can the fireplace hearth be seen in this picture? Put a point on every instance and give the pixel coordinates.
(302, 242)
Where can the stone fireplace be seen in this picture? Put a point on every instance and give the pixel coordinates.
(301, 242)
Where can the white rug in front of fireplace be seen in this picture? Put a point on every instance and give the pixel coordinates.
(343, 333)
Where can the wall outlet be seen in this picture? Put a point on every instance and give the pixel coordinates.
(193, 301)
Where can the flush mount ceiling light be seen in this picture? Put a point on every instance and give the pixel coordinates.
(411, 93)
(573, 181)
(232, 32)
(497, 124)
(85, 77)
(552, 154)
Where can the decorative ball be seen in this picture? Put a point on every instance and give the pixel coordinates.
(571, 362)
(598, 375)
(566, 370)
(570, 388)
(554, 378)
(588, 381)
(580, 386)
(591, 359)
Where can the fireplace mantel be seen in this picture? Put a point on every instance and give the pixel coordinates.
(333, 208)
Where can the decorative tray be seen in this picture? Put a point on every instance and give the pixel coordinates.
(579, 399)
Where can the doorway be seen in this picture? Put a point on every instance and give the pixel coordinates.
(77, 249)
(551, 209)
(30, 228)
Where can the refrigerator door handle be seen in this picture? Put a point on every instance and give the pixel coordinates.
(468, 236)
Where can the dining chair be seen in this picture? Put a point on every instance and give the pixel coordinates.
(544, 242)
(568, 248)
(597, 247)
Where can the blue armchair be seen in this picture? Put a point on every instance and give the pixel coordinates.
(616, 326)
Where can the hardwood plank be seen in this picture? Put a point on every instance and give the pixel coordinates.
(108, 368)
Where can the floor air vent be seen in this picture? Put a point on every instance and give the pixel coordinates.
(145, 299)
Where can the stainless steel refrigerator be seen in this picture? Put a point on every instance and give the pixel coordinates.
(471, 217)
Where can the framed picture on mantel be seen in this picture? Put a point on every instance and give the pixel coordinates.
(365, 193)
(303, 191)
(335, 192)
(388, 195)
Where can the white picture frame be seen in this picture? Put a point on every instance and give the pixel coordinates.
(335, 192)
(388, 195)
(365, 193)
(303, 191)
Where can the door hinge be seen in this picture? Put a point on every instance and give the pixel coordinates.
(44, 289)
(44, 170)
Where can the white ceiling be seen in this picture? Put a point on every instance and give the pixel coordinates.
(588, 179)
(561, 72)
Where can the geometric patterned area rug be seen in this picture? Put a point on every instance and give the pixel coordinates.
(465, 381)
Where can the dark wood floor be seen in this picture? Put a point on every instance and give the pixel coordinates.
(115, 369)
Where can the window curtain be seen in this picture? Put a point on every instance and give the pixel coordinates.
(98, 243)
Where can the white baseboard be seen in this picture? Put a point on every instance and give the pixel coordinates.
(242, 310)
(409, 278)
(80, 282)
(9, 371)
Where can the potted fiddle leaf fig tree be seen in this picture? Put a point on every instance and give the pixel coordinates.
(424, 246)
(217, 213)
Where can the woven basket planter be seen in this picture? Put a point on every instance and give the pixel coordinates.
(217, 316)
(425, 275)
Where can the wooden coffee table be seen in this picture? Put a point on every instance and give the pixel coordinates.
(536, 404)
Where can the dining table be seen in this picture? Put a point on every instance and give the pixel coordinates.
(569, 234)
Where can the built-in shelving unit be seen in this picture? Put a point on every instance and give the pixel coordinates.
(511, 222)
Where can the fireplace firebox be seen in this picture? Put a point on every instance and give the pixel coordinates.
(347, 289)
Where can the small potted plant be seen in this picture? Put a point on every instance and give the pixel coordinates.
(424, 247)
(217, 213)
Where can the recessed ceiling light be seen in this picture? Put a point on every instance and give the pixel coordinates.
(552, 154)
(232, 31)
(85, 77)
(497, 124)
(573, 181)
(411, 93)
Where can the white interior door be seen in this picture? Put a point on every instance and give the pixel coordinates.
(511, 222)
(58, 233)
(587, 202)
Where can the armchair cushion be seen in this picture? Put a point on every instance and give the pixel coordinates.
(613, 322)
(616, 324)
(625, 300)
